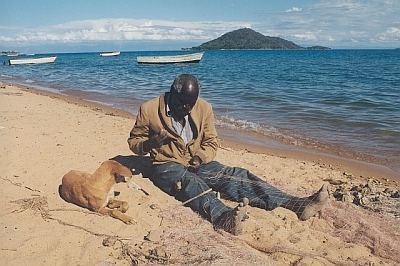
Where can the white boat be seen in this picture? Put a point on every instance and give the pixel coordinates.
(170, 59)
(13, 54)
(115, 53)
(39, 60)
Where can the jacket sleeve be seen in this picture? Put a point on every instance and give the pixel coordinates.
(209, 142)
(139, 132)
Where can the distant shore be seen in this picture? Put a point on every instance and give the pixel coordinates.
(253, 142)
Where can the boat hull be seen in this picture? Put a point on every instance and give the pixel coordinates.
(170, 59)
(23, 61)
(110, 54)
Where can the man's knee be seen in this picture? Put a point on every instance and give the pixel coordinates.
(166, 176)
(211, 167)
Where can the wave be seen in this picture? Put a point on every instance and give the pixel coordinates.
(280, 134)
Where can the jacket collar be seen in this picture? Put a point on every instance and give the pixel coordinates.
(166, 119)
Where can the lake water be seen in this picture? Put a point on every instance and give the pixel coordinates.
(343, 100)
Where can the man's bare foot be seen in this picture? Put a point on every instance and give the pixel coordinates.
(317, 203)
(232, 221)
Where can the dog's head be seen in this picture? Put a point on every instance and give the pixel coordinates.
(122, 178)
(120, 172)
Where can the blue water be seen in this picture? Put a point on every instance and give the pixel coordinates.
(347, 99)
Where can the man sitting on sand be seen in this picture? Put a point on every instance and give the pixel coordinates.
(178, 131)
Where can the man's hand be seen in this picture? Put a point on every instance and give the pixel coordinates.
(156, 141)
(194, 164)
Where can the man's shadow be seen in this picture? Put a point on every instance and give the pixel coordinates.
(140, 164)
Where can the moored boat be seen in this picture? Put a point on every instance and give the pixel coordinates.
(170, 59)
(39, 60)
(115, 53)
(13, 54)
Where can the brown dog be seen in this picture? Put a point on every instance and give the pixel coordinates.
(96, 191)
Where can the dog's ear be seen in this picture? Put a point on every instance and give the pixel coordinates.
(124, 171)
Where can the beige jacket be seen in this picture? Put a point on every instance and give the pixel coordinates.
(152, 117)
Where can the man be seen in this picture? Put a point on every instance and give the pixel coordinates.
(178, 131)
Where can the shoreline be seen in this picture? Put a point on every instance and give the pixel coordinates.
(282, 139)
(254, 143)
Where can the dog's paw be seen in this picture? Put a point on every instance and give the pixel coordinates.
(124, 207)
(128, 220)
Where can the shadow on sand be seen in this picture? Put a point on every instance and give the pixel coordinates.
(140, 164)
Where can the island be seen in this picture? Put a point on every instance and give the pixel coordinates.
(247, 38)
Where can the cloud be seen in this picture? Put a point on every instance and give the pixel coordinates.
(306, 36)
(294, 9)
(391, 33)
(337, 23)
(122, 30)
(333, 23)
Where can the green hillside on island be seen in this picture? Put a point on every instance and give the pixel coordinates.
(249, 39)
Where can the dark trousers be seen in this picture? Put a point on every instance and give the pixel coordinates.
(233, 183)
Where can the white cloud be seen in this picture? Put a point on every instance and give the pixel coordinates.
(123, 29)
(306, 36)
(338, 23)
(334, 23)
(391, 33)
(294, 9)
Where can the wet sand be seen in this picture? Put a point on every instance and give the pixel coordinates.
(363, 169)
(45, 135)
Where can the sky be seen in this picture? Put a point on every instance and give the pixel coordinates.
(129, 25)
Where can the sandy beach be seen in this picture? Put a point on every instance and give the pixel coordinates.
(45, 135)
